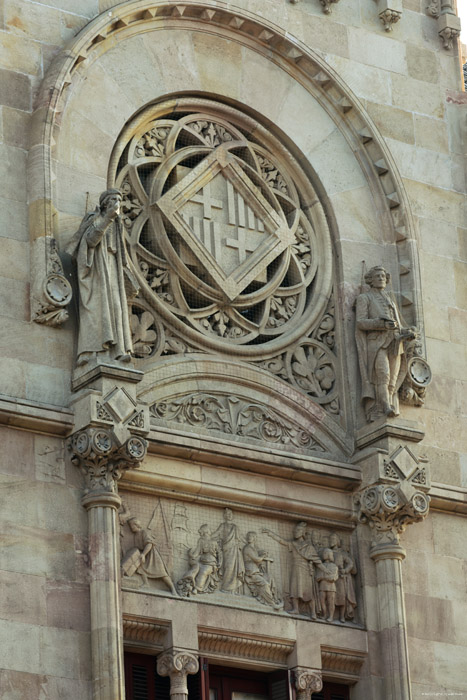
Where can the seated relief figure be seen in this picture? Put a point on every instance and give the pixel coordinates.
(257, 575)
(205, 562)
(380, 344)
(105, 283)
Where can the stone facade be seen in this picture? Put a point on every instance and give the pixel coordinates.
(277, 282)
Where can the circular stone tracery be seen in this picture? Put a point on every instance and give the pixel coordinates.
(227, 236)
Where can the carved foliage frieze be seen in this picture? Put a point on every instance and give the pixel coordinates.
(234, 416)
(225, 557)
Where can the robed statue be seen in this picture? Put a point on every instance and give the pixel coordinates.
(105, 283)
(380, 340)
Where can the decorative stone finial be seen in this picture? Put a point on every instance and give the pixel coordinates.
(307, 681)
(177, 664)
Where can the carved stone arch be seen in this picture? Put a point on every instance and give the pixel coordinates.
(59, 176)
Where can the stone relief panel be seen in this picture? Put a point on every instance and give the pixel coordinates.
(225, 557)
(230, 257)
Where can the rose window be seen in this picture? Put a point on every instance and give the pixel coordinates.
(228, 240)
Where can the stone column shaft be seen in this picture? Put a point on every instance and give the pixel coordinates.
(392, 623)
(106, 631)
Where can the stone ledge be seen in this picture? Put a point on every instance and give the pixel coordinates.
(341, 664)
(144, 633)
(35, 416)
(222, 645)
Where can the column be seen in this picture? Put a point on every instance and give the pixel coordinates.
(307, 681)
(102, 460)
(177, 664)
(388, 509)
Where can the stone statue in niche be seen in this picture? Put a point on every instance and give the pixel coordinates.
(380, 344)
(303, 557)
(232, 569)
(143, 557)
(205, 560)
(345, 601)
(105, 283)
(326, 579)
(258, 577)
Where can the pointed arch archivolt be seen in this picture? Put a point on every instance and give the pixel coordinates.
(141, 52)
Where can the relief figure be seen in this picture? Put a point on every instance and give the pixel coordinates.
(380, 346)
(104, 280)
(303, 557)
(232, 570)
(326, 579)
(257, 575)
(205, 561)
(346, 601)
(144, 557)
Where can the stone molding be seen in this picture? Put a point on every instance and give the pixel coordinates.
(307, 681)
(250, 648)
(177, 664)
(244, 27)
(144, 632)
(342, 663)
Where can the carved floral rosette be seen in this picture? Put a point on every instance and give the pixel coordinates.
(230, 257)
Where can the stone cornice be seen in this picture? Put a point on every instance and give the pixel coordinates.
(249, 648)
(144, 633)
(35, 416)
(341, 663)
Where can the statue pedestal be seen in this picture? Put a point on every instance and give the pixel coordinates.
(387, 433)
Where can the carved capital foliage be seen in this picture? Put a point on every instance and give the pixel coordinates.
(307, 682)
(102, 458)
(399, 499)
(177, 664)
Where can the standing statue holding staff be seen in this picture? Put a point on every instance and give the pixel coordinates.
(380, 346)
(105, 283)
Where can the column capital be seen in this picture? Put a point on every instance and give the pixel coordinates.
(102, 459)
(177, 663)
(307, 681)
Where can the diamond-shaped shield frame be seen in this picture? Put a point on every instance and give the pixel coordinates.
(280, 235)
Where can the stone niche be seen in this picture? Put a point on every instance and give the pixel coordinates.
(227, 557)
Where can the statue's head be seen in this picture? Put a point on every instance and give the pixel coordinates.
(334, 540)
(251, 537)
(299, 529)
(109, 199)
(135, 525)
(377, 277)
(315, 537)
(328, 554)
(204, 530)
(228, 515)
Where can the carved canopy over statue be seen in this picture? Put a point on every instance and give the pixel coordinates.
(105, 283)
